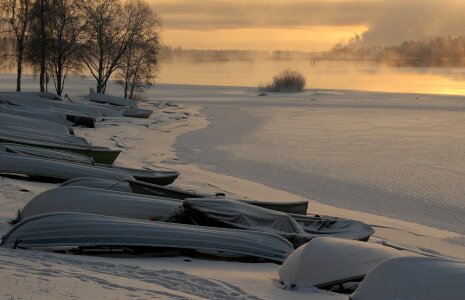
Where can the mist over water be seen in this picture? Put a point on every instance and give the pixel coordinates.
(350, 75)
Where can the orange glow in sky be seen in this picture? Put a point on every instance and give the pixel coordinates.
(306, 39)
(302, 25)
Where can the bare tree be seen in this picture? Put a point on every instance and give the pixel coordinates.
(16, 13)
(110, 28)
(139, 62)
(43, 42)
(36, 48)
(64, 33)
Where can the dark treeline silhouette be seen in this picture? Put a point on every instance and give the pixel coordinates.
(437, 52)
(168, 53)
(56, 38)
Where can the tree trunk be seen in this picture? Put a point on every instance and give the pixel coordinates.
(59, 84)
(42, 46)
(20, 65)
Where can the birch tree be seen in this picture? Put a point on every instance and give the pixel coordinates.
(16, 14)
(111, 27)
(65, 30)
(139, 63)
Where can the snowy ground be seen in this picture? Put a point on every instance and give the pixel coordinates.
(149, 143)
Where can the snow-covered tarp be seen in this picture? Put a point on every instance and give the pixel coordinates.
(231, 213)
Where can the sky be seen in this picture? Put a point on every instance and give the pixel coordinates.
(303, 25)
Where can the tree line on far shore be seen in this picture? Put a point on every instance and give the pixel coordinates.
(57, 38)
(436, 52)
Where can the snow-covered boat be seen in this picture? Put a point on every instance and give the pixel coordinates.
(423, 278)
(99, 154)
(330, 263)
(152, 176)
(13, 164)
(13, 120)
(85, 232)
(65, 118)
(101, 202)
(296, 207)
(298, 229)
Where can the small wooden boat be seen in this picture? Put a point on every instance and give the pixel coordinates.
(100, 202)
(60, 117)
(137, 113)
(65, 231)
(101, 155)
(13, 164)
(12, 120)
(413, 277)
(58, 106)
(114, 100)
(129, 106)
(42, 136)
(296, 207)
(99, 183)
(151, 176)
(328, 263)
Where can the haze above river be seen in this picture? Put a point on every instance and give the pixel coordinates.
(349, 75)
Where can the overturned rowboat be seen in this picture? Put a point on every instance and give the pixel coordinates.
(62, 117)
(150, 176)
(45, 153)
(12, 120)
(295, 207)
(100, 202)
(423, 278)
(19, 99)
(129, 105)
(99, 183)
(109, 99)
(74, 231)
(41, 136)
(13, 164)
(103, 155)
(330, 263)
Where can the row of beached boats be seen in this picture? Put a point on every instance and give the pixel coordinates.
(100, 207)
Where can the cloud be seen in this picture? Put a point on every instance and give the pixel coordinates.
(234, 14)
(398, 20)
(388, 21)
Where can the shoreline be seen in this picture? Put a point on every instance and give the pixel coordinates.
(151, 143)
(211, 179)
(405, 234)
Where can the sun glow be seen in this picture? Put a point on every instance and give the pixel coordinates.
(315, 38)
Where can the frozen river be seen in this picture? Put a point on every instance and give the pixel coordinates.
(396, 155)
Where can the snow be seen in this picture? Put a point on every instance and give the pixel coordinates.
(149, 143)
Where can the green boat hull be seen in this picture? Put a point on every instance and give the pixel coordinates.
(100, 155)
